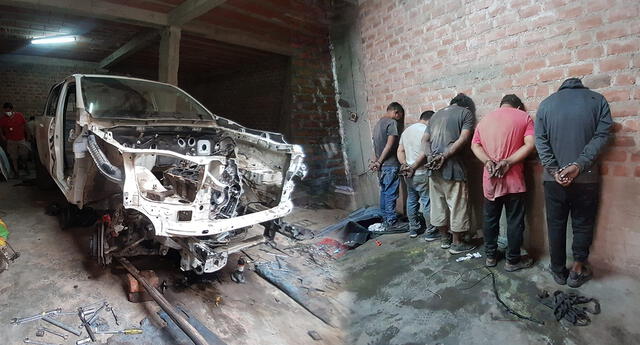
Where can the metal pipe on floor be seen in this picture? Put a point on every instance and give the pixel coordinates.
(186, 327)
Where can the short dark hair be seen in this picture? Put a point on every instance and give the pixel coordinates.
(513, 101)
(426, 115)
(7, 106)
(395, 106)
(464, 101)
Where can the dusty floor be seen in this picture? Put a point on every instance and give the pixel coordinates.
(408, 291)
(55, 270)
(405, 291)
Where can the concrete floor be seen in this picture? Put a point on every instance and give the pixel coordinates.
(408, 291)
(54, 270)
(404, 292)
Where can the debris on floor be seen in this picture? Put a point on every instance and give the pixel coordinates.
(570, 306)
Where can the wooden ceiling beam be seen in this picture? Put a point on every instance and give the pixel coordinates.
(192, 9)
(135, 44)
(96, 8)
(237, 37)
(110, 11)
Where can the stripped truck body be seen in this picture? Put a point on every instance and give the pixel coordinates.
(171, 174)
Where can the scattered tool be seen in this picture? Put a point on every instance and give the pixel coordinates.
(61, 325)
(378, 243)
(86, 324)
(95, 314)
(128, 331)
(42, 330)
(83, 341)
(115, 318)
(29, 341)
(172, 312)
(19, 321)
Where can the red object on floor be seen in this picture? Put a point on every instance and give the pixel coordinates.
(378, 243)
(333, 247)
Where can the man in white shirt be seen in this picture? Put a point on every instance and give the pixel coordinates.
(410, 152)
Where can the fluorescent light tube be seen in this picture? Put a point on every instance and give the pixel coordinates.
(53, 40)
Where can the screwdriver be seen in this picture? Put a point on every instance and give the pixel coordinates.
(128, 331)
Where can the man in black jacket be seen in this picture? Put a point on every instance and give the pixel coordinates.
(572, 128)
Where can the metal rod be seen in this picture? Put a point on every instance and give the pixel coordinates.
(61, 325)
(188, 329)
(86, 324)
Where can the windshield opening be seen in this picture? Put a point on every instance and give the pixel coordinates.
(138, 99)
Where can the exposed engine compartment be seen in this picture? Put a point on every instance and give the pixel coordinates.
(204, 174)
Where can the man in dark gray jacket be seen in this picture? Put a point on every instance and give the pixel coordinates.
(572, 128)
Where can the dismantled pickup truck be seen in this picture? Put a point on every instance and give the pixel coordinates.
(169, 174)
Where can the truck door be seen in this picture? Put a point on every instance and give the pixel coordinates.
(45, 129)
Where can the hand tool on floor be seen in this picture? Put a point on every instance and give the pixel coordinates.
(86, 324)
(95, 314)
(61, 325)
(115, 318)
(19, 321)
(45, 329)
(29, 341)
(128, 331)
(172, 312)
(83, 341)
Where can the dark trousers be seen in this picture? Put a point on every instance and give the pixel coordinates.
(581, 200)
(514, 205)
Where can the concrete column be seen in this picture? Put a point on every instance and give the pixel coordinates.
(169, 55)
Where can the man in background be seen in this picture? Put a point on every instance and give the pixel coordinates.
(502, 140)
(13, 134)
(572, 127)
(411, 157)
(385, 145)
(444, 140)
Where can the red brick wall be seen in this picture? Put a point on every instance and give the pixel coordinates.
(253, 97)
(422, 53)
(314, 120)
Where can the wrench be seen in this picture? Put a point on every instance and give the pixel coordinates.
(95, 314)
(45, 329)
(19, 321)
(29, 341)
(86, 324)
(61, 325)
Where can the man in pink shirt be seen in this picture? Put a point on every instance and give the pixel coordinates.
(502, 140)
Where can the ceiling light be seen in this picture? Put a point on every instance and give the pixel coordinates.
(53, 40)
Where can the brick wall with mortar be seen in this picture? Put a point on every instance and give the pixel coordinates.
(27, 85)
(421, 53)
(253, 97)
(314, 120)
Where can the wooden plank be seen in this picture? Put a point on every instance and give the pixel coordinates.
(169, 55)
(135, 44)
(110, 11)
(96, 8)
(237, 37)
(192, 9)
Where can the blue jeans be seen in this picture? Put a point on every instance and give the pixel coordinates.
(417, 194)
(389, 189)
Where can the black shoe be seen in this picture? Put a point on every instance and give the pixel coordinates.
(445, 241)
(413, 233)
(461, 247)
(490, 262)
(560, 278)
(577, 279)
(525, 262)
(432, 236)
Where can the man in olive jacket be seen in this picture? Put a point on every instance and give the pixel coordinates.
(572, 128)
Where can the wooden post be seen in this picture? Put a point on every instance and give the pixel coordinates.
(169, 55)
